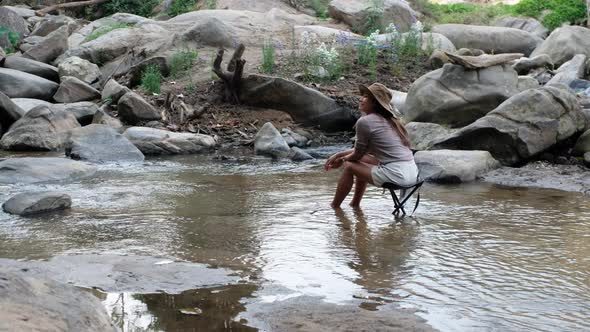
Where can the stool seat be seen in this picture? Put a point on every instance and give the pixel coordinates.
(399, 204)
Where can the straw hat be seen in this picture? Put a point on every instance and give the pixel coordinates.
(382, 94)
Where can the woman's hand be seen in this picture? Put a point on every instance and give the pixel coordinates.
(335, 161)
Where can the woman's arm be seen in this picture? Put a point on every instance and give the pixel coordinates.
(334, 159)
(361, 146)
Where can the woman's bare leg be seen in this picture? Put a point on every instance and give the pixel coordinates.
(360, 185)
(359, 170)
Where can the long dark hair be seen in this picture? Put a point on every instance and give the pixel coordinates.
(396, 124)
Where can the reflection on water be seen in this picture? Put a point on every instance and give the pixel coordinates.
(215, 309)
(476, 257)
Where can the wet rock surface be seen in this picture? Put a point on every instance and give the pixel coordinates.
(27, 204)
(32, 170)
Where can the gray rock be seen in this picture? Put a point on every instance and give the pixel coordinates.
(582, 145)
(32, 67)
(294, 139)
(17, 84)
(33, 170)
(521, 127)
(83, 111)
(492, 40)
(9, 113)
(51, 23)
(40, 129)
(423, 134)
(428, 41)
(528, 24)
(210, 31)
(527, 82)
(21, 11)
(101, 117)
(82, 69)
(51, 47)
(587, 159)
(398, 101)
(33, 304)
(297, 154)
(457, 96)
(27, 204)
(133, 109)
(437, 59)
(29, 42)
(525, 65)
(114, 91)
(27, 104)
(306, 106)
(354, 13)
(569, 71)
(100, 143)
(153, 141)
(72, 89)
(268, 141)
(451, 166)
(14, 22)
(564, 43)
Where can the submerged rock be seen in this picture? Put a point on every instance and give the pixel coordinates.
(298, 154)
(26, 204)
(32, 170)
(153, 141)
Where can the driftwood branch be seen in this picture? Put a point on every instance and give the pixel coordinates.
(232, 78)
(49, 9)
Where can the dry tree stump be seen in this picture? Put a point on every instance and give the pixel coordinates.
(233, 76)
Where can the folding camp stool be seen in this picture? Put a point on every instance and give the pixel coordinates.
(399, 204)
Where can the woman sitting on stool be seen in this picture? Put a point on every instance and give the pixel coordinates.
(382, 150)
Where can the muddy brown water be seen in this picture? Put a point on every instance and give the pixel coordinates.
(476, 257)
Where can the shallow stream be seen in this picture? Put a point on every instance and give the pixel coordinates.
(476, 257)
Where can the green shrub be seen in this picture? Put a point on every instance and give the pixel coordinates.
(106, 29)
(211, 4)
(560, 11)
(180, 7)
(320, 7)
(465, 13)
(182, 61)
(13, 39)
(151, 79)
(268, 57)
(138, 7)
(374, 17)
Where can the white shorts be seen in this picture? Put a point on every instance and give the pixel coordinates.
(400, 172)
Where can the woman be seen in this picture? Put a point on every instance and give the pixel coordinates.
(381, 152)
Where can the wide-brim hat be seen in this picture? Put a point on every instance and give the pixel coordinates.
(380, 93)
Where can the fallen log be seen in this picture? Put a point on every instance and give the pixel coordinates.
(233, 76)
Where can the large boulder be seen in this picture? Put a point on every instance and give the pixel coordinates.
(33, 170)
(456, 96)
(453, 166)
(428, 41)
(153, 141)
(569, 71)
(26, 204)
(17, 84)
(51, 47)
(564, 43)
(79, 68)
(527, 24)
(306, 106)
(268, 141)
(521, 127)
(134, 109)
(32, 67)
(10, 20)
(40, 129)
(103, 118)
(34, 304)
(492, 40)
(72, 89)
(355, 13)
(79, 36)
(423, 135)
(23, 11)
(83, 111)
(27, 104)
(100, 143)
(9, 113)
